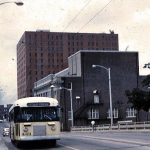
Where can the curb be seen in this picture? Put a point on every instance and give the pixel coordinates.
(2, 145)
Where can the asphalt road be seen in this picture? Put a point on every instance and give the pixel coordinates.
(91, 141)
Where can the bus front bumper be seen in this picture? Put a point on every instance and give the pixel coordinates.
(39, 138)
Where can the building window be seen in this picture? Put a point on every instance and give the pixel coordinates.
(69, 85)
(68, 37)
(69, 115)
(96, 96)
(131, 112)
(93, 114)
(96, 99)
(114, 112)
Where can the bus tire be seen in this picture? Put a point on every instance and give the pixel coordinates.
(17, 144)
(12, 141)
(53, 142)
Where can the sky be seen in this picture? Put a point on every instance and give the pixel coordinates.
(129, 19)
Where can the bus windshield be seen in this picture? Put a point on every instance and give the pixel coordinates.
(38, 114)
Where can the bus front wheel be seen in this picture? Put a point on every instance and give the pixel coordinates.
(53, 142)
(17, 144)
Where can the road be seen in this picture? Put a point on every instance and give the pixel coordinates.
(91, 141)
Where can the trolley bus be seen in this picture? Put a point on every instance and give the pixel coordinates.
(35, 119)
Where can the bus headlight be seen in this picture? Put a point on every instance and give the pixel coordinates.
(53, 128)
(25, 129)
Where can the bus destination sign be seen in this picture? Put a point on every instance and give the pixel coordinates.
(38, 104)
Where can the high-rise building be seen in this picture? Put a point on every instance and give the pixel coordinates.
(42, 52)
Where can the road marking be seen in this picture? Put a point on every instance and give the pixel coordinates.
(69, 147)
(120, 140)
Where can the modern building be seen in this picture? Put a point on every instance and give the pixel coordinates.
(41, 52)
(90, 87)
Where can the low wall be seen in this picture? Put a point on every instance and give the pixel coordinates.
(117, 127)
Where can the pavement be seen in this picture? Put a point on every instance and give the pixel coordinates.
(2, 145)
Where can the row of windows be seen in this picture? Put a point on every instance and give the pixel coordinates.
(73, 37)
(49, 54)
(37, 73)
(74, 44)
(48, 43)
(46, 49)
(94, 113)
(43, 60)
(56, 49)
(35, 36)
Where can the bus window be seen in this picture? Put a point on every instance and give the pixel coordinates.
(16, 113)
(59, 112)
(39, 114)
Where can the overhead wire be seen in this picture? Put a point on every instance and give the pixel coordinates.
(96, 15)
(76, 15)
(91, 19)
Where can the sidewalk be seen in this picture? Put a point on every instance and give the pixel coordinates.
(2, 145)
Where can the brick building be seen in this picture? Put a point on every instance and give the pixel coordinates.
(42, 52)
(90, 87)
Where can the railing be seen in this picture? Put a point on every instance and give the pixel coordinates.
(118, 127)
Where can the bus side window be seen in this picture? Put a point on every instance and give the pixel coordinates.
(16, 113)
(59, 112)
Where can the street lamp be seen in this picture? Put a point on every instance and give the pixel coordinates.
(70, 90)
(108, 70)
(52, 92)
(17, 3)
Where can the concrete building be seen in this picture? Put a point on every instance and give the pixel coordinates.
(41, 52)
(90, 87)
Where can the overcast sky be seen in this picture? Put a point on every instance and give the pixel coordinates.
(130, 19)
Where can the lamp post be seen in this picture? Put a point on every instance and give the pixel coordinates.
(70, 91)
(52, 92)
(108, 70)
(17, 3)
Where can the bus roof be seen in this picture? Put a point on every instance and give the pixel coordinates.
(24, 101)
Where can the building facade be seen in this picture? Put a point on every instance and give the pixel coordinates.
(4, 112)
(42, 52)
(90, 87)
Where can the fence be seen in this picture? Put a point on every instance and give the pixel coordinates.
(118, 127)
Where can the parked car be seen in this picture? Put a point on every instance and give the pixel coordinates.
(5, 132)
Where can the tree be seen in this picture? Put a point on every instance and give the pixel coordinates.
(137, 97)
(140, 99)
(146, 81)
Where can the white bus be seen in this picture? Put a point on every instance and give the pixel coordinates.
(35, 119)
